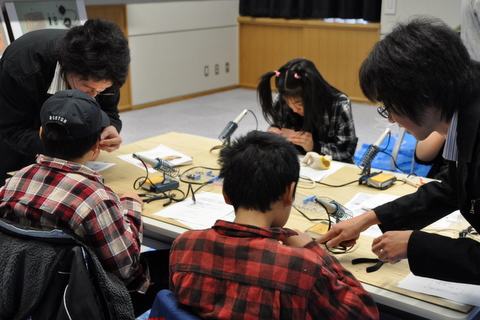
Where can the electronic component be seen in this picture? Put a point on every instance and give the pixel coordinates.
(335, 209)
(371, 153)
(308, 207)
(231, 127)
(158, 184)
(380, 180)
(318, 229)
(202, 177)
(169, 171)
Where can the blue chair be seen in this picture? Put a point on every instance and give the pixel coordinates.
(166, 307)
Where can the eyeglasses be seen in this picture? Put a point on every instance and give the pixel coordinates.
(89, 90)
(383, 111)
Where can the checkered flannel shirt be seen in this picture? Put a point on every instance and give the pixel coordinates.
(236, 271)
(55, 193)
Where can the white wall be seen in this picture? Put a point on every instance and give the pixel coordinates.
(172, 44)
(172, 41)
(447, 10)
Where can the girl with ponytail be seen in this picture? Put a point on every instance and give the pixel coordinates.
(308, 111)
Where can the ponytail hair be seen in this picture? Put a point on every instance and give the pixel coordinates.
(298, 78)
(264, 96)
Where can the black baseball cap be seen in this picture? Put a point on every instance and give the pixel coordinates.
(76, 111)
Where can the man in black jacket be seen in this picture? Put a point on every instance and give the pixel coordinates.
(423, 75)
(93, 58)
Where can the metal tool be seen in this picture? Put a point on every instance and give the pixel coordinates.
(377, 263)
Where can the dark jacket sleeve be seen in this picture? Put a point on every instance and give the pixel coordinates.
(433, 255)
(428, 204)
(26, 71)
(439, 257)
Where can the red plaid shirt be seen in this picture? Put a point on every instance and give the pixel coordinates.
(236, 271)
(55, 193)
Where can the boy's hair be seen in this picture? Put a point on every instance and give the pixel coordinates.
(57, 144)
(298, 78)
(97, 50)
(257, 168)
(420, 64)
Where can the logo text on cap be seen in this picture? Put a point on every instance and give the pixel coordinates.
(58, 118)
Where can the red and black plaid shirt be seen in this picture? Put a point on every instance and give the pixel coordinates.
(55, 193)
(236, 271)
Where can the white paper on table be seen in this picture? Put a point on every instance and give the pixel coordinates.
(318, 175)
(163, 152)
(361, 201)
(447, 221)
(457, 292)
(201, 214)
(377, 200)
(98, 166)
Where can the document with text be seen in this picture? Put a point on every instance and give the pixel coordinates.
(456, 292)
(202, 213)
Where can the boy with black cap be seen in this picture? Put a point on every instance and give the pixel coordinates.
(59, 191)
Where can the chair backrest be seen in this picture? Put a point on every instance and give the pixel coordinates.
(166, 307)
(56, 272)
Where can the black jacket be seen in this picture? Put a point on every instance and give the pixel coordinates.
(432, 255)
(27, 68)
(46, 278)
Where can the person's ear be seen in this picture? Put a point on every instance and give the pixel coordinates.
(226, 198)
(289, 195)
(40, 132)
(96, 146)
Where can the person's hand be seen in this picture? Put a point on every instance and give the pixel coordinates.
(110, 140)
(286, 132)
(133, 195)
(302, 139)
(274, 130)
(392, 245)
(301, 240)
(347, 232)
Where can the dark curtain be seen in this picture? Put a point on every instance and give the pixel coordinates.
(372, 10)
(368, 10)
(318, 9)
(287, 9)
(350, 9)
(255, 8)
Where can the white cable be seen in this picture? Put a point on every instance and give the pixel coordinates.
(305, 178)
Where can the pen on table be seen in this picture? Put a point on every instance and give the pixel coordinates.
(411, 182)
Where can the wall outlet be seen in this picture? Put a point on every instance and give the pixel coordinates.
(390, 6)
(206, 71)
(217, 69)
(227, 67)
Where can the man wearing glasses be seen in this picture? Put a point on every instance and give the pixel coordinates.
(93, 58)
(423, 75)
